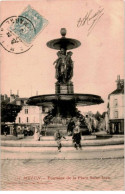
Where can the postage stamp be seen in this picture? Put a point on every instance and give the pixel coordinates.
(29, 24)
(18, 32)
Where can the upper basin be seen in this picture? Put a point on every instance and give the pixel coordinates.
(79, 99)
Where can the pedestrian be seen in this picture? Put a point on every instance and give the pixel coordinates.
(28, 131)
(58, 136)
(18, 129)
(77, 137)
(88, 123)
(70, 127)
(5, 130)
(37, 134)
(15, 131)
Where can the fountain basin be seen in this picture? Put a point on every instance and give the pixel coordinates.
(78, 99)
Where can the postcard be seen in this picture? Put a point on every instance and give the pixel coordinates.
(62, 95)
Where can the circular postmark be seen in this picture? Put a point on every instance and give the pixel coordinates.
(14, 31)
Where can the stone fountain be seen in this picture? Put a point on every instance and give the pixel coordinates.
(64, 102)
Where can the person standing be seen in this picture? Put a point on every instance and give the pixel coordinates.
(37, 134)
(88, 123)
(70, 127)
(77, 137)
(14, 130)
(5, 130)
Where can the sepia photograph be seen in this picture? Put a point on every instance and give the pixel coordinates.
(62, 95)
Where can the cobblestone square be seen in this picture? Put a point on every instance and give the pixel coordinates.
(61, 175)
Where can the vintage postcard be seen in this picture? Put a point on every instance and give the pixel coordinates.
(62, 95)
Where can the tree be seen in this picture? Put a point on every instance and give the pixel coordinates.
(98, 116)
(103, 114)
(9, 112)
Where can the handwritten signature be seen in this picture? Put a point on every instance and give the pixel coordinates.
(90, 19)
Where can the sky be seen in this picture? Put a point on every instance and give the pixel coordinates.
(97, 62)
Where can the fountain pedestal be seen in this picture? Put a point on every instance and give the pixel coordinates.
(64, 88)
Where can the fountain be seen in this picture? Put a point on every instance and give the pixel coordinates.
(64, 102)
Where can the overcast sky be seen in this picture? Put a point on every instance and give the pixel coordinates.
(97, 62)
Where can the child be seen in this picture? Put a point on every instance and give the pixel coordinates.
(58, 138)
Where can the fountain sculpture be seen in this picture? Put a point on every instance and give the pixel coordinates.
(64, 102)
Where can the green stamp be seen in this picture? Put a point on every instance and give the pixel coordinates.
(28, 25)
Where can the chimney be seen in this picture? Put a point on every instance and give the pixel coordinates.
(118, 82)
(10, 92)
(36, 93)
(12, 98)
(5, 96)
(18, 93)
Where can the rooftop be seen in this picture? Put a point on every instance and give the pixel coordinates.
(120, 87)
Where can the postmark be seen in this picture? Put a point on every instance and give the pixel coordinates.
(10, 41)
(18, 32)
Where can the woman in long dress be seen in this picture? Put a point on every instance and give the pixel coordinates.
(37, 134)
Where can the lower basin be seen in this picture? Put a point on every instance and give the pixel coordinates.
(103, 136)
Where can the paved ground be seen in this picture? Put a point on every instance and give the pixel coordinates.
(49, 153)
(105, 174)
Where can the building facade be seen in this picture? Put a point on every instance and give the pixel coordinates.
(31, 116)
(28, 117)
(116, 108)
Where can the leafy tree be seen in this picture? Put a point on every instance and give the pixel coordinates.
(98, 116)
(9, 111)
(103, 115)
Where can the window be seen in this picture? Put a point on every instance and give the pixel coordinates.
(27, 119)
(26, 111)
(19, 120)
(115, 114)
(115, 102)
